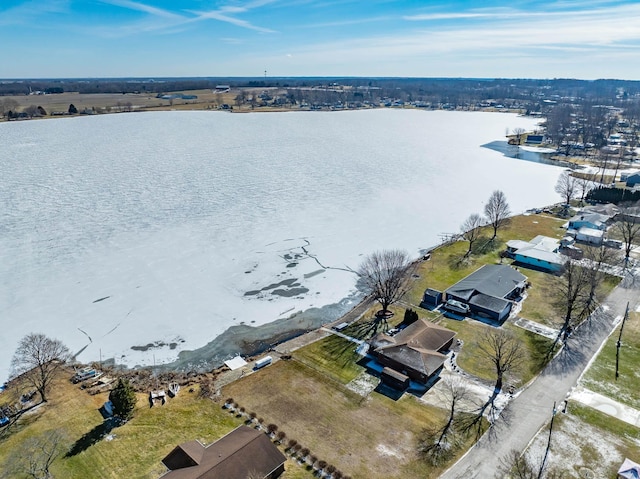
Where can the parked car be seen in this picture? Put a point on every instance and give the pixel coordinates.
(456, 306)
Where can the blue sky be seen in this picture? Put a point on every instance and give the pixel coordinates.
(460, 38)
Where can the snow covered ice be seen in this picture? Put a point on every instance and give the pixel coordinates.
(164, 229)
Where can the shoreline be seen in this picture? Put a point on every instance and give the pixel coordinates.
(248, 341)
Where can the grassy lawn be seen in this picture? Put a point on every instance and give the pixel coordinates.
(538, 306)
(601, 375)
(334, 356)
(137, 447)
(471, 360)
(367, 438)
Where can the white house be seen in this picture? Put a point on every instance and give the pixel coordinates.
(590, 235)
(541, 252)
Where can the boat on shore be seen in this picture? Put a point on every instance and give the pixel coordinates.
(173, 389)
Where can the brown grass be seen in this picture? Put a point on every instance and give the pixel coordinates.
(366, 438)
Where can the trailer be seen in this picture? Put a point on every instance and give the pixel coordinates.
(260, 363)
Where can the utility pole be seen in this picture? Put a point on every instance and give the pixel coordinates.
(619, 342)
(546, 452)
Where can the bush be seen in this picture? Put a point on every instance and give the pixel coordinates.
(123, 399)
(410, 317)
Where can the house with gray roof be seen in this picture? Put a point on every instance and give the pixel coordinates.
(416, 353)
(594, 221)
(490, 290)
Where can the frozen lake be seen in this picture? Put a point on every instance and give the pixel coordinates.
(158, 231)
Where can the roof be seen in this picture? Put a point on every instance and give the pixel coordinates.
(416, 346)
(424, 334)
(242, 452)
(545, 243)
(629, 470)
(185, 455)
(235, 363)
(491, 279)
(517, 244)
(394, 374)
(541, 255)
(593, 218)
(608, 209)
(418, 359)
(584, 231)
(541, 248)
(490, 303)
(432, 292)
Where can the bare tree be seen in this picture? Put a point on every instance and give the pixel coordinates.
(566, 187)
(7, 105)
(505, 353)
(629, 227)
(503, 350)
(516, 465)
(584, 184)
(384, 275)
(471, 231)
(35, 456)
(598, 259)
(571, 291)
(604, 157)
(518, 132)
(497, 211)
(38, 358)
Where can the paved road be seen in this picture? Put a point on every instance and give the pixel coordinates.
(526, 414)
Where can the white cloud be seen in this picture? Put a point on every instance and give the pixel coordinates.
(222, 17)
(31, 9)
(586, 41)
(142, 7)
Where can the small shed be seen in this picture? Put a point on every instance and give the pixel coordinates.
(431, 298)
(235, 363)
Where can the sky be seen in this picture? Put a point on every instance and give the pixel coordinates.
(586, 39)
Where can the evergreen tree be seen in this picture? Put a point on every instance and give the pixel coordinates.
(123, 398)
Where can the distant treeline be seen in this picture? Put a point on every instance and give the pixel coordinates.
(452, 90)
(612, 195)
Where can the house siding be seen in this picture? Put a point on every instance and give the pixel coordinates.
(537, 263)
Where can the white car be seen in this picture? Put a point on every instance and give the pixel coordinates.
(456, 306)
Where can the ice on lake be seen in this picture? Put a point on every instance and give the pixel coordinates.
(158, 231)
